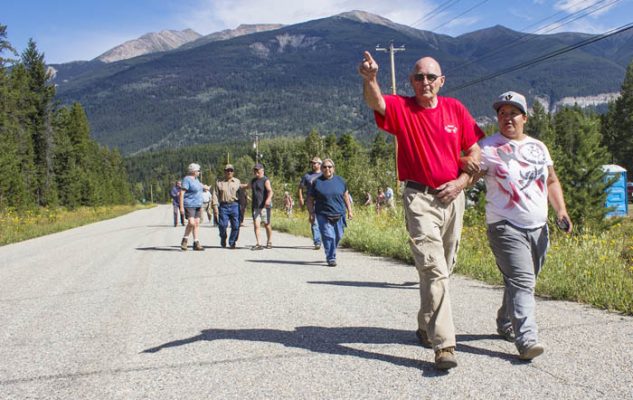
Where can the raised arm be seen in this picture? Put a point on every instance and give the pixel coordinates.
(368, 69)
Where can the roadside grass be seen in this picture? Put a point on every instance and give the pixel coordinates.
(595, 269)
(19, 226)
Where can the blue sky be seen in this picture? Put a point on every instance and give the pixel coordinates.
(67, 30)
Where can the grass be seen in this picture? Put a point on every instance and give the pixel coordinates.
(595, 269)
(19, 226)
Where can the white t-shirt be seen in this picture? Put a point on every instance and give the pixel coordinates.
(516, 180)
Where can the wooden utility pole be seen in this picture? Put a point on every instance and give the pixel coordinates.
(392, 50)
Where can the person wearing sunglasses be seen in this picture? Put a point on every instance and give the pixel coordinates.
(520, 179)
(226, 208)
(305, 186)
(328, 200)
(437, 151)
(190, 202)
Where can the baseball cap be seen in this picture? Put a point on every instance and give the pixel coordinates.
(258, 166)
(193, 167)
(316, 160)
(228, 166)
(512, 98)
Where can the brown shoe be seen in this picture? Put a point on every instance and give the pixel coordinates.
(423, 338)
(445, 358)
(197, 246)
(183, 244)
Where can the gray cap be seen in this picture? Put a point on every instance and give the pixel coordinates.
(513, 99)
(316, 160)
(193, 167)
(228, 166)
(258, 166)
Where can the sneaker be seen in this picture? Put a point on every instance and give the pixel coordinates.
(331, 263)
(233, 246)
(423, 338)
(197, 246)
(269, 245)
(317, 246)
(183, 244)
(507, 334)
(223, 243)
(531, 352)
(445, 358)
(257, 247)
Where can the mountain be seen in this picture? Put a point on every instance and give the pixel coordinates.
(291, 80)
(149, 43)
(244, 29)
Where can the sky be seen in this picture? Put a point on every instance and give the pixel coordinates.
(70, 30)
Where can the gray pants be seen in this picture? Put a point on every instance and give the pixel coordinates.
(520, 254)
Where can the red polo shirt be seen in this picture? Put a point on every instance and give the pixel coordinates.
(430, 140)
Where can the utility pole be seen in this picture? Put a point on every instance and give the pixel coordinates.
(256, 145)
(392, 50)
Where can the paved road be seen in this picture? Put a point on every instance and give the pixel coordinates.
(115, 310)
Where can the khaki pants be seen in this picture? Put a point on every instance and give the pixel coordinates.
(434, 232)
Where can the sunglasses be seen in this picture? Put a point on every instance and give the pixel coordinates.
(327, 166)
(429, 77)
(228, 170)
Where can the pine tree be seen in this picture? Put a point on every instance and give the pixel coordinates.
(578, 158)
(39, 98)
(617, 125)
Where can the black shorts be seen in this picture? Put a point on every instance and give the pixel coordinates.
(193, 212)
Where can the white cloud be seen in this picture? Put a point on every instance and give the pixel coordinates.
(572, 6)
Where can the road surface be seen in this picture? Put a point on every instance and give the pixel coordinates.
(114, 310)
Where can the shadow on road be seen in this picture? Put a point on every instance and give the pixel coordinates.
(338, 341)
(288, 262)
(383, 285)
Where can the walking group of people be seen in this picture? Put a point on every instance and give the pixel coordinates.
(441, 151)
(226, 200)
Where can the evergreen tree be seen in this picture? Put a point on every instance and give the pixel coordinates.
(539, 124)
(39, 98)
(617, 125)
(578, 158)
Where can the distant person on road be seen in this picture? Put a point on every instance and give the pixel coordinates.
(175, 202)
(191, 205)
(433, 132)
(226, 208)
(288, 203)
(305, 186)
(327, 203)
(206, 204)
(520, 179)
(262, 193)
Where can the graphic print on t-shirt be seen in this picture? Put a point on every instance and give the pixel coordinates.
(521, 166)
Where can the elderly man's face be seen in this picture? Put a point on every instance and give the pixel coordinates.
(315, 166)
(259, 173)
(426, 79)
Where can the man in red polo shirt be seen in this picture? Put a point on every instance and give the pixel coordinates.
(437, 150)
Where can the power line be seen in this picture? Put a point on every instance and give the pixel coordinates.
(435, 11)
(460, 15)
(527, 37)
(542, 58)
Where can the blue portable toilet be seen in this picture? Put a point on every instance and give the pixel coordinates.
(616, 193)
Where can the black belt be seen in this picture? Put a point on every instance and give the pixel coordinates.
(420, 187)
(226, 202)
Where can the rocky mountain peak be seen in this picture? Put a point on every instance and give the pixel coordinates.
(149, 43)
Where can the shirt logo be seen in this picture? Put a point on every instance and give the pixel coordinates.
(450, 128)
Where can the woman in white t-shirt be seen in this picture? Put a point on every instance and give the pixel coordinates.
(520, 179)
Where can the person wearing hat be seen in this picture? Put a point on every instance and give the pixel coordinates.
(433, 133)
(191, 205)
(226, 208)
(520, 179)
(305, 186)
(262, 193)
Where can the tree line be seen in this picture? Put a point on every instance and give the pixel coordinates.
(47, 157)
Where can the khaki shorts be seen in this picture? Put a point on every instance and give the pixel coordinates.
(262, 215)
